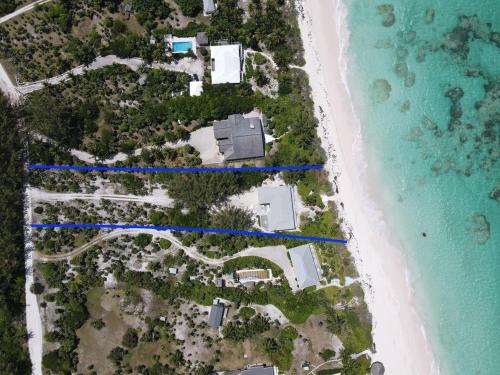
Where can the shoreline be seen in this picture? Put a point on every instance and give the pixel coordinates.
(398, 331)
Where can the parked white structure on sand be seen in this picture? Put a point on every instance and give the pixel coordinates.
(226, 63)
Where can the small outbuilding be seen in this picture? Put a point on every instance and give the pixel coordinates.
(195, 88)
(202, 38)
(277, 211)
(226, 63)
(305, 266)
(377, 368)
(240, 138)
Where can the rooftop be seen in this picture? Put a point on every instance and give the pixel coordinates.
(277, 208)
(216, 315)
(195, 88)
(239, 138)
(304, 266)
(226, 63)
(208, 7)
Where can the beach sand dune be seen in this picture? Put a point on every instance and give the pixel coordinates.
(398, 332)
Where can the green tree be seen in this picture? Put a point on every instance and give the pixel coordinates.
(130, 338)
(190, 8)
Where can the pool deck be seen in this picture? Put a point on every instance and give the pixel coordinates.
(169, 40)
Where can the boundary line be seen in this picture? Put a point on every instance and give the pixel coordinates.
(175, 169)
(191, 229)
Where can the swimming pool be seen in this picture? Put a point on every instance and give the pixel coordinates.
(181, 47)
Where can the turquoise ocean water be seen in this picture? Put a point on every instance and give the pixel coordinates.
(425, 79)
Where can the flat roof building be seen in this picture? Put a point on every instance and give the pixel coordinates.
(216, 315)
(226, 63)
(304, 266)
(277, 210)
(195, 88)
(240, 138)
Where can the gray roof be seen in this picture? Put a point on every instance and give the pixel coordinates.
(258, 370)
(216, 315)
(377, 368)
(239, 137)
(278, 208)
(208, 6)
(304, 266)
(202, 38)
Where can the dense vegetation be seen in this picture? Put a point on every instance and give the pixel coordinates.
(7, 6)
(13, 338)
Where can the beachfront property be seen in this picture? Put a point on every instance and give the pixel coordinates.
(240, 138)
(195, 88)
(226, 63)
(176, 45)
(276, 208)
(305, 266)
(216, 315)
(208, 7)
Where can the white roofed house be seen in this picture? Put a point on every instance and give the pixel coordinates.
(305, 266)
(226, 63)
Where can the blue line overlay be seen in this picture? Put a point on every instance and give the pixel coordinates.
(177, 169)
(191, 229)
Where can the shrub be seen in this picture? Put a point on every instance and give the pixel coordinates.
(130, 338)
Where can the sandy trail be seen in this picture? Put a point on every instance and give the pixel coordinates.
(186, 66)
(38, 195)
(33, 318)
(400, 341)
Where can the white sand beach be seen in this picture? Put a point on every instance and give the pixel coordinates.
(399, 336)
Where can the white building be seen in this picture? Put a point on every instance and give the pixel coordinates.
(195, 88)
(226, 63)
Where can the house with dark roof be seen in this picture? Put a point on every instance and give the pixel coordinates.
(216, 315)
(305, 266)
(277, 210)
(240, 138)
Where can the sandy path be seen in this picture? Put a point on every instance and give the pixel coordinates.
(8, 87)
(400, 341)
(187, 66)
(33, 318)
(38, 195)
